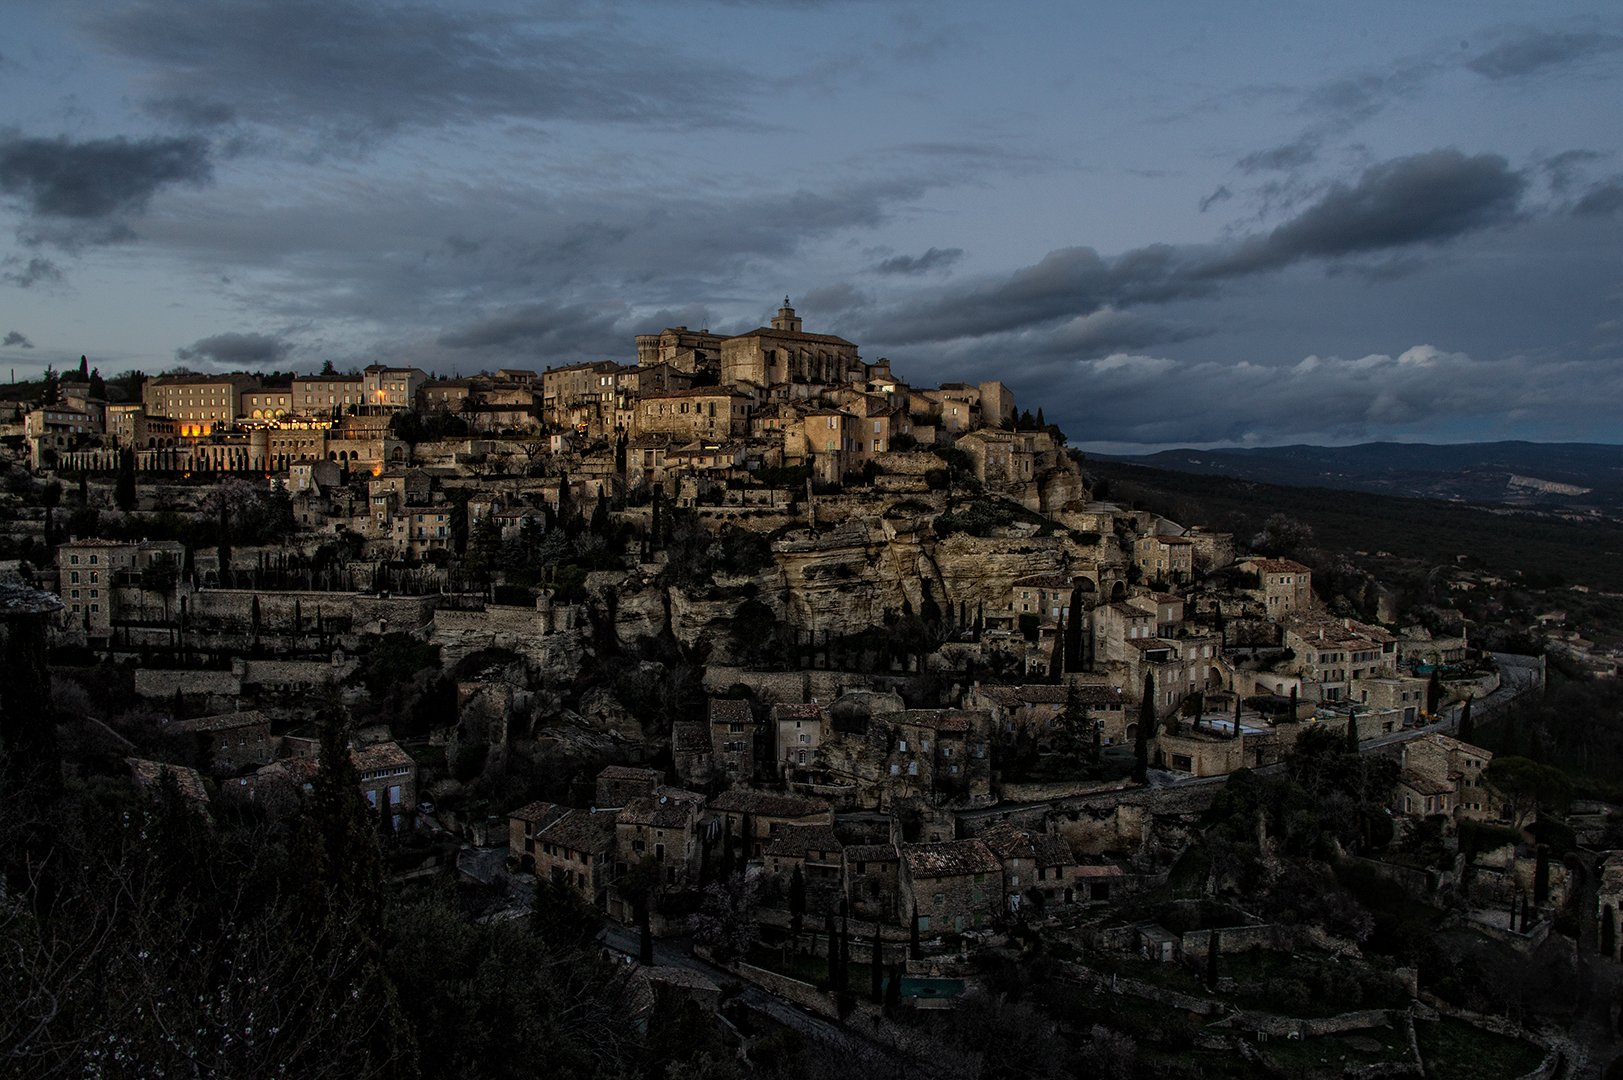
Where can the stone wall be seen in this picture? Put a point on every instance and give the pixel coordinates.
(163, 682)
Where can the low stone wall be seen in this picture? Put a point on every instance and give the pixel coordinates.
(1056, 789)
(163, 682)
(803, 994)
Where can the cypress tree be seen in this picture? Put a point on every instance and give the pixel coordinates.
(223, 550)
(645, 936)
(600, 514)
(1434, 692)
(124, 488)
(1352, 730)
(1073, 633)
(1608, 932)
(1235, 734)
(653, 530)
(833, 936)
(1292, 715)
(914, 951)
(893, 990)
(877, 990)
(797, 902)
(1056, 656)
(1541, 875)
(1467, 729)
(1211, 959)
(1146, 719)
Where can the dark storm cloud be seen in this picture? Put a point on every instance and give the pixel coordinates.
(237, 350)
(1427, 198)
(36, 270)
(1222, 194)
(99, 177)
(14, 338)
(1601, 199)
(933, 259)
(357, 67)
(1533, 51)
(544, 329)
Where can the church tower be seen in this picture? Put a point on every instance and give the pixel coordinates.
(786, 320)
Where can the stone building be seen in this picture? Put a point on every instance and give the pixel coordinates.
(578, 849)
(692, 754)
(663, 825)
(705, 412)
(1035, 865)
(797, 732)
(231, 741)
(1165, 558)
(1442, 775)
(872, 877)
(202, 403)
(951, 887)
(90, 573)
(732, 738)
(1000, 458)
(816, 852)
(1284, 585)
(388, 777)
(783, 353)
(524, 825)
(617, 785)
(751, 820)
(1331, 654)
(327, 395)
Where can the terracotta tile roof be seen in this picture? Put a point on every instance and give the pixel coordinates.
(1051, 850)
(383, 755)
(745, 801)
(222, 722)
(793, 335)
(669, 809)
(804, 841)
(1040, 694)
(581, 830)
(149, 775)
(730, 711)
(950, 859)
(872, 853)
(1278, 566)
(1099, 871)
(542, 813)
(1128, 609)
(1008, 842)
(627, 772)
(797, 712)
(690, 737)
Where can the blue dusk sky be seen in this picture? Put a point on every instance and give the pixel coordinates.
(1164, 223)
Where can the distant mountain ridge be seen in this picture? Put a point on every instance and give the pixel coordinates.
(1580, 476)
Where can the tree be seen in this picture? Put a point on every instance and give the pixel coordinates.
(1291, 716)
(1212, 951)
(600, 514)
(562, 918)
(1434, 692)
(1352, 730)
(654, 541)
(1235, 734)
(877, 990)
(1146, 720)
(1073, 742)
(797, 902)
(124, 488)
(223, 548)
(1073, 632)
(1056, 655)
(1528, 787)
(98, 385)
(914, 950)
(726, 919)
(1467, 728)
(1608, 932)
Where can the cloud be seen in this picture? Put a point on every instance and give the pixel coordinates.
(1602, 199)
(544, 329)
(100, 177)
(237, 350)
(933, 259)
(357, 68)
(1428, 198)
(1422, 199)
(1222, 194)
(1293, 155)
(15, 338)
(37, 270)
(1532, 51)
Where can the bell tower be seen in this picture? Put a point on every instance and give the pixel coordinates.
(786, 318)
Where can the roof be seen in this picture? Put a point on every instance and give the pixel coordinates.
(383, 755)
(872, 853)
(695, 392)
(222, 722)
(686, 978)
(792, 335)
(669, 808)
(950, 858)
(581, 830)
(1128, 609)
(541, 812)
(1448, 742)
(1009, 842)
(1099, 871)
(19, 599)
(797, 711)
(1277, 566)
(627, 772)
(731, 710)
(1045, 581)
(745, 801)
(690, 736)
(797, 841)
(1051, 850)
(1425, 785)
(149, 774)
(236, 379)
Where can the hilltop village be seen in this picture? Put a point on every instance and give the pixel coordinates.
(790, 669)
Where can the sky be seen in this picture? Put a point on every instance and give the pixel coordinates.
(1165, 224)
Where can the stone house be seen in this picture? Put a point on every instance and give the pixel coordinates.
(797, 733)
(1442, 775)
(872, 876)
(1000, 457)
(1047, 596)
(578, 849)
(942, 753)
(1165, 558)
(1284, 585)
(1117, 624)
(617, 785)
(1201, 753)
(231, 740)
(784, 353)
(149, 775)
(732, 738)
(703, 412)
(1333, 653)
(692, 753)
(753, 819)
(524, 825)
(1403, 697)
(953, 886)
(664, 825)
(388, 777)
(1035, 865)
(90, 572)
(817, 852)
(1609, 905)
